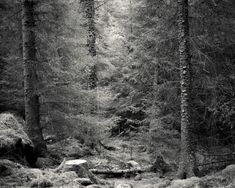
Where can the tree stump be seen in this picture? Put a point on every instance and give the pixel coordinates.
(81, 168)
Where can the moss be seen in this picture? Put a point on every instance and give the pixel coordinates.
(14, 142)
(18, 175)
(11, 130)
(41, 182)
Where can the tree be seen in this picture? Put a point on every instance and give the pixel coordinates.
(32, 114)
(91, 39)
(187, 160)
(90, 15)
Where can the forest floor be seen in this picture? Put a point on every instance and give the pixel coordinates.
(119, 158)
(133, 147)
(126, 148)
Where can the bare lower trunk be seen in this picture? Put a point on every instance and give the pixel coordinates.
(187, 158)
(30, 78)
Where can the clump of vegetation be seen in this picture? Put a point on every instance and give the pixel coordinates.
(14, 142)
(41, 183)
(130, 119)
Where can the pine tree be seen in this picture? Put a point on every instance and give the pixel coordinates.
(187, 160)
(32, 115)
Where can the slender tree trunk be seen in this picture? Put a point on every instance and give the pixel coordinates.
(187, 158)
(32, 116)
(131, 16)
(91, 39)
(90, 14)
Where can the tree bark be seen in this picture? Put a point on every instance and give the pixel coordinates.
(91, 39)
(187, 158)
(32, 116)
(90, 15)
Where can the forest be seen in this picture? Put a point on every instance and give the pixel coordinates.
(117, 93)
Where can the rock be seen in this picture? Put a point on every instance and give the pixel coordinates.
(138, 177)
(134, 165)
(5, 171)
(230, 186)
(229, 172)
(83, 181)
(6, 167)
(20, 176)
(41, 183)
(65, 178)
(45, 162)
(14, 142)
(163, 184)
(47, 177)
(215, 180)
(193, 182)
(124, 185)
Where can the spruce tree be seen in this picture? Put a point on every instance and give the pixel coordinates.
(32, 106)
(187, 160)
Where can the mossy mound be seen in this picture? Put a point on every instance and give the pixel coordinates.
(15, 175)
(14, 142)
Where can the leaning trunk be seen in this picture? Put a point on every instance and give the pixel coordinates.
(32, 117)
(187, 159)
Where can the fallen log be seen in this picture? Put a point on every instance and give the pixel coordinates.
(114, 173)
(110, 148)
(107, 171)
(120, 172)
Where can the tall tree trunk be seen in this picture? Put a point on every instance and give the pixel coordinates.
(187, 158)
(32, 116)
(91, 39)
(90, 14)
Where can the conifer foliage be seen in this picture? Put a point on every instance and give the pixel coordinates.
(164, 69)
